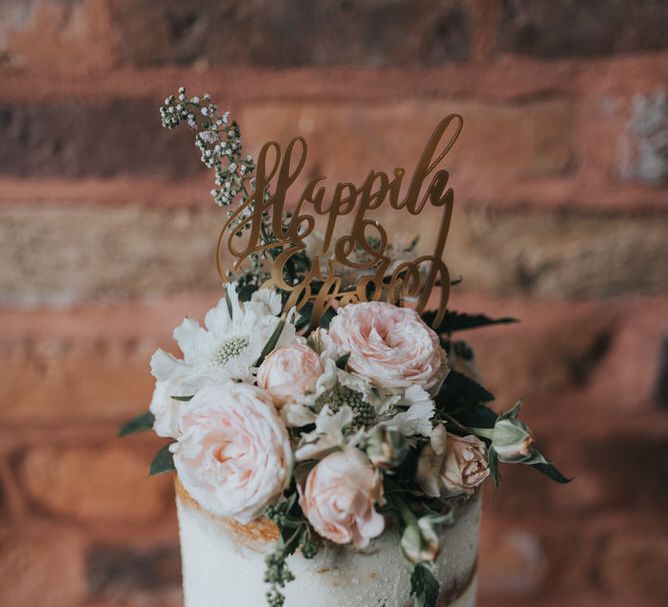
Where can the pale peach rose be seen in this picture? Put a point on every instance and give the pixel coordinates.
(339, 498)
(234, 453)
(391, 346)
(289, 372)
(451, 465)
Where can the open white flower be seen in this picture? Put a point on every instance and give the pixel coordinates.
(415, 411)
(230, 343)
(330, 433)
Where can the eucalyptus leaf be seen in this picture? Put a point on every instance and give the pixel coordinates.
(162, 462)
(141, 423)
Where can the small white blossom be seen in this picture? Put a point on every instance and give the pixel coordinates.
(230, 343)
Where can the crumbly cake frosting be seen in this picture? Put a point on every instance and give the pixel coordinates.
(223, 564)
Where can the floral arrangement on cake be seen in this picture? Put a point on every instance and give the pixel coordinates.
(331, 431)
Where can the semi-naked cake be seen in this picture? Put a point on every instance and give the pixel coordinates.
(330, 434)
(224, 562)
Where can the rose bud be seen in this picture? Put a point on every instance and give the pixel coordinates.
(289, 372)
(387, 448)
(420, 541)
(512, 440)
(451, 465)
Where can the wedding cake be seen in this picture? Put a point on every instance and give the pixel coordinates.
(224, 562)
(329, 433)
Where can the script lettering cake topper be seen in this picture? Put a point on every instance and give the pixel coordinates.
(261, 224)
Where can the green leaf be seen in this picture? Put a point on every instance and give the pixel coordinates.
(477, 416)
(326, 318)
(456, 321)
(183, 399)
(459, 392)
(271, 343)
(493, 461)
(228, 301)
(304, 316)
(141, 423)
(551, 471)
(424, 586)
(342, 360)
(513, 412)
(245, 292)
(162, 462)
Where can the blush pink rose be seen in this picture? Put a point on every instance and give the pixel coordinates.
(451, 465)
(339, 498)
(289, 372)
(391, 346)
(234, 453)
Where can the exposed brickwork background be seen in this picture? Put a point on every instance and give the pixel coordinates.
(107, 238)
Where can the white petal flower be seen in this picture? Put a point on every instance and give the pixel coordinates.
(328, 434)
(230, 343)
(416, 419)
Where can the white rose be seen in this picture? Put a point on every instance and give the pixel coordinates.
(290, 372)
(234, 454)
(391, 346)
(451, 465)
(339, 498)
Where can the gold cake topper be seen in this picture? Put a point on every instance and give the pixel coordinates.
(243, 236)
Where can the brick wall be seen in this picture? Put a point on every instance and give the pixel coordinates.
(108, 234)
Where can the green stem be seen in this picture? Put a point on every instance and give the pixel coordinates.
(406, 513)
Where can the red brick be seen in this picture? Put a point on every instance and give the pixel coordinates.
(110, 138)
(57, 36)
(633, 563)
(94, 485)
(501, 142)
(292, 33)
(40, 566)
(557, 28)
(117, 571)
(512, 562)
(58, 378)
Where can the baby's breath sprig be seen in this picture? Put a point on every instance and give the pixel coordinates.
(218, 140)
(295, 532)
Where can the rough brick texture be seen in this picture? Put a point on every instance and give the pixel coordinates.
(557, 28)
(68, 139)
(107, 240)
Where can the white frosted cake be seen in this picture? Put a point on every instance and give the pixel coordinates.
(224, 563)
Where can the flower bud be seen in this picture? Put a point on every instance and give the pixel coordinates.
(512, 440)
(387, 448)
(420, 541)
